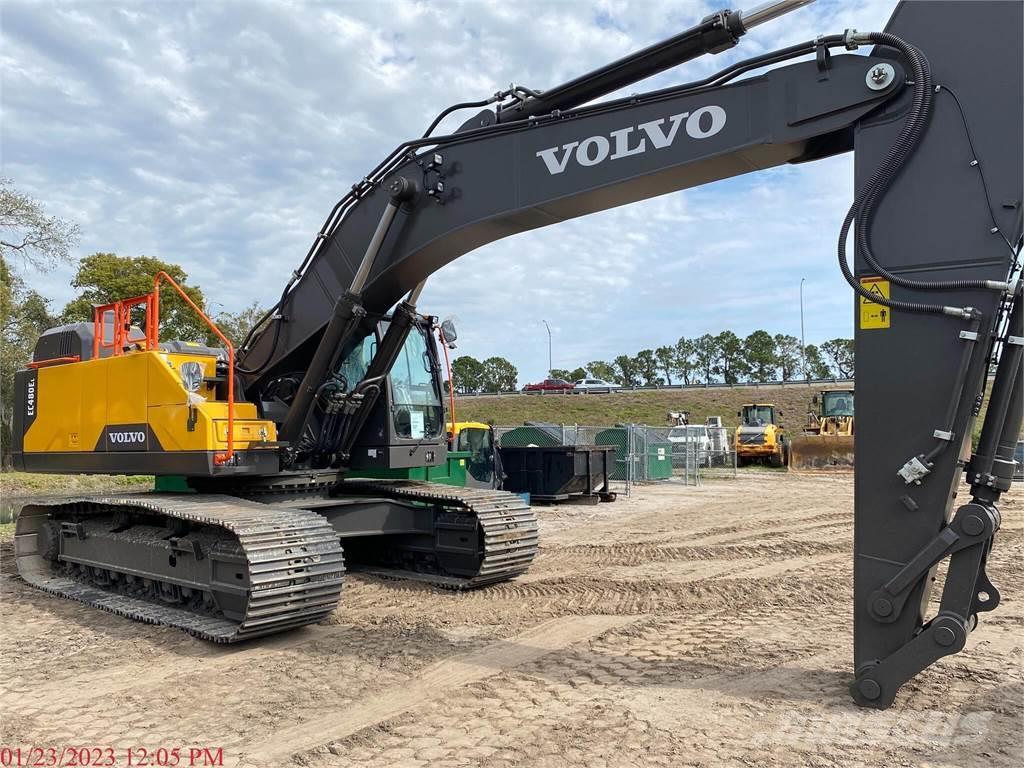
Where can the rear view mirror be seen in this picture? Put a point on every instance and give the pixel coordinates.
(448, 329)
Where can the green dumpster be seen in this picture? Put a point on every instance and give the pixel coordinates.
(537, 434)
(651, 452)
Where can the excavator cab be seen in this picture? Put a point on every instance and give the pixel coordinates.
(404, 425)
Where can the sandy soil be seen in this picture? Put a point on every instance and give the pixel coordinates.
(682, 626)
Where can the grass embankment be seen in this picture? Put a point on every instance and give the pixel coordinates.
(650, 407)
(640, 407)
(24, 483)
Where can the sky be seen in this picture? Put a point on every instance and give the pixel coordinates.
(218, 135)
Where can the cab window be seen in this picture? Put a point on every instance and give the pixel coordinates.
(416, 402)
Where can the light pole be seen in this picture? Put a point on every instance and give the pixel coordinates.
(803, 343)
(550, 365)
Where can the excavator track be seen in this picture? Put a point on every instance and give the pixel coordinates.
(267, 568)
(508, 530)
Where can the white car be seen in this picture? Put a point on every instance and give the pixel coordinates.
(594, 385)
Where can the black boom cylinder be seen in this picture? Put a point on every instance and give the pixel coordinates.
(716, 33)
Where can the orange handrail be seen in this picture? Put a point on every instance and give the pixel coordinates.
(451, 384)
(122, 322)
(152, 331)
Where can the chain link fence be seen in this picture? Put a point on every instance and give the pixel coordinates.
(643, 454)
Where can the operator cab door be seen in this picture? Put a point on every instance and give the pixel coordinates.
(406, 427)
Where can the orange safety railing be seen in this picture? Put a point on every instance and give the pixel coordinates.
(451, 384)
(122, 311)
(121, 340)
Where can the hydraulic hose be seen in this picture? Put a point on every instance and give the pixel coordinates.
(861, 213)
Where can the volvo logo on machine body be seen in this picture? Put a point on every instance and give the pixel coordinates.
(127, 437)
(634, 139)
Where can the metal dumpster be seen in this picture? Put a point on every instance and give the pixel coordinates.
(559, 473)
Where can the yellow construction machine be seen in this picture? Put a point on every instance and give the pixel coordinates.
(827, 439)
(760, 437)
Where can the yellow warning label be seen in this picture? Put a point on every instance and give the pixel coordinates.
(874, 315)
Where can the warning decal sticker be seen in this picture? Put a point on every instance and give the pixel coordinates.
(874, 315)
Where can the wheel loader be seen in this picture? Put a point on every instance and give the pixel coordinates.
(258, 449)
(827, 438)
(760, 437)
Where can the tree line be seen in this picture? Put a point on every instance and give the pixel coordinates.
(724, 358)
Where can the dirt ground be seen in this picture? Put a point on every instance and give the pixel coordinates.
(683, 626)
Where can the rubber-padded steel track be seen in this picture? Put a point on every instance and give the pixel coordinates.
(295, 562)
(508, 528)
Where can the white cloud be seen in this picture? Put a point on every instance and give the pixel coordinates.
(220, 138)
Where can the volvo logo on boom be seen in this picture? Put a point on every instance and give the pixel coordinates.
(634, 140)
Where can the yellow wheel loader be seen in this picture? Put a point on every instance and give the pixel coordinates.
(827, 440)
(760, 437)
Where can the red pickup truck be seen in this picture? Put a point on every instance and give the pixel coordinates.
(550, 385)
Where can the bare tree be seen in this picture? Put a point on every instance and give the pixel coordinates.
(41, 241)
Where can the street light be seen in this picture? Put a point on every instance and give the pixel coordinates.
(803, 343)
(550, 364)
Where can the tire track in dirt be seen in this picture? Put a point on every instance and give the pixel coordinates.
(430, 685)
(210, 659)
(640, 553)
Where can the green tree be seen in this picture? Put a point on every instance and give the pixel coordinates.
(840, 354)
(730, 364)
(24, 314)
(627, 371)
(107, 277)
(666, 357)
(467, 374)
(599, 369)
(577, 373)
(759, 354)
(559, 373)
(705, 355)
(498, 375)
(236, 325)
(28, 238)
(647, 367)
(685, 364)
(26, 231)
(787, 355)
(816, 367)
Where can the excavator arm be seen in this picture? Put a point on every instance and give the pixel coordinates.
(933, 114)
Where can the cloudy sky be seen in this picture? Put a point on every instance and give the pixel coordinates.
(219, 134)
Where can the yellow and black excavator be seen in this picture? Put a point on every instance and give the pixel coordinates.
(259, 451)
(827, 439)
